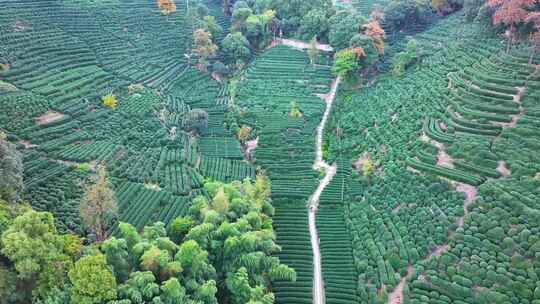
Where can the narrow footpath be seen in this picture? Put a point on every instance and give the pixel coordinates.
(313, 203)
(319, 164)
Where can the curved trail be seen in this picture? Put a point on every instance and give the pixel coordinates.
(330, 170)
(313, 203)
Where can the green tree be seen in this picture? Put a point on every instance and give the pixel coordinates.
(98, 207)
(404, 14)
(236, 48)
(403, 59)
(172, 292)
(141, 287)
(8, 286)
(345, 63)
(343, 27)
(238, 284)
(370, 53)
(314, 24)
(93, 281)
(241, 12)
(210, 25)
(11, 170)
(194, 260)
(31, 243)
(180, 226)
(39, 257)
(196, 120)
(116, 252)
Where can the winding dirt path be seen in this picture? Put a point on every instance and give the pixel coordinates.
(313, 203)
(330, 170)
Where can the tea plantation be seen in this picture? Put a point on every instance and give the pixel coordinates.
(65, 57)
(449, 213)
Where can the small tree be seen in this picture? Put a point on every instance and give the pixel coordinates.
(109, 100)
(295, 110)
(367, 167)
(244, 132)
(203, 47)
(313, 51)
(166, 6)
(98, 206)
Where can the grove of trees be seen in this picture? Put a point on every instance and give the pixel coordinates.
(222, 249)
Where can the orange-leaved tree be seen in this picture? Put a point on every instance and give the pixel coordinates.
(166, 6)
(374, 30)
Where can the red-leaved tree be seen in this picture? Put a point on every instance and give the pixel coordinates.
(534, 17)
(511, 13)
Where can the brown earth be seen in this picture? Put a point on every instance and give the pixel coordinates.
(48, 117)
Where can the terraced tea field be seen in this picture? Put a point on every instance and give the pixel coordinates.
(276, 80)
(447, 140)
(63, 58)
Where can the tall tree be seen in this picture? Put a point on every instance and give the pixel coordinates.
(195, 121)
(510, 13)
(204, 47)
(11, 170)
(98, 207)
(315, 23)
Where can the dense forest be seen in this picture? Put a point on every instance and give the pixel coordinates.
(269, 151)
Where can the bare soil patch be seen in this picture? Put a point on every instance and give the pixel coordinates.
(502, 168)
(4, 67)
(396, 296)
(21, 26)
(250, 146)
(6, 87)
(470, 196)
(48, 117)
(27, 145)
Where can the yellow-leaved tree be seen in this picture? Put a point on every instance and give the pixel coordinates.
(110, 101)
(203, 47)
